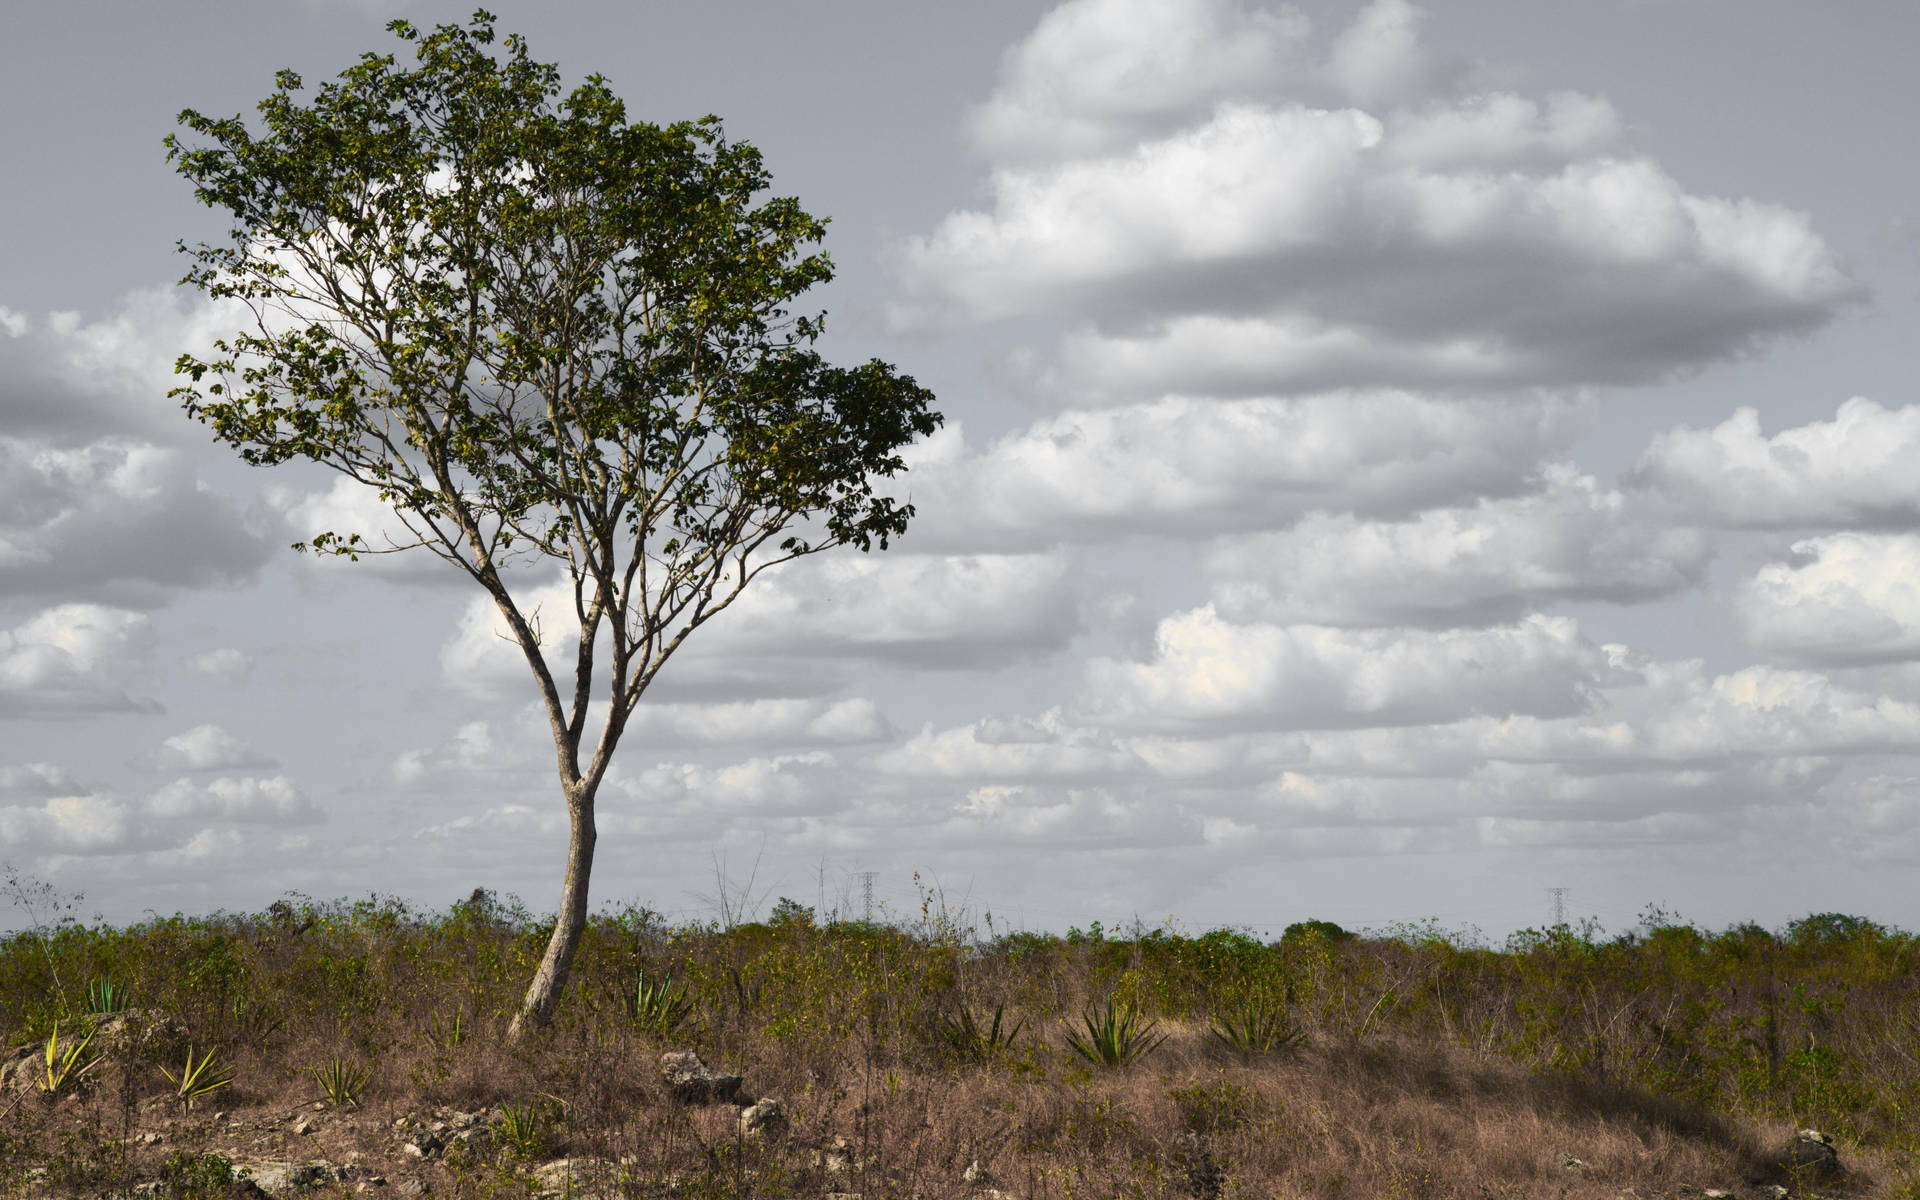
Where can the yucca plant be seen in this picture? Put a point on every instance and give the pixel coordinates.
(658, 1008)
(198, 1079)
(1115, 1037)
(107, 995)
(1255, 1027)
(66, 1063)
(969, 1039)
(522, 1129)
(342, 1081)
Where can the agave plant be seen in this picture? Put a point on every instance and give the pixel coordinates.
(971, 1039)
(66, 1062)
(523, 1129)
(658, 1008)
(1114, 1037)
(342, 1081)
(1254, 1027)
(197, 1079)
(108, 995)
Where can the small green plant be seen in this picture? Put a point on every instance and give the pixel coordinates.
(67, 1063)
(448, 1035)
(198, 1079)
(1216, 1106)
(1256, 1027)
(1115, 1037)
(971, 1040)
(107, 995)
(254, 1021)
(658, 1008)
(191, 1176)
(342, 1081)
(524, 1130)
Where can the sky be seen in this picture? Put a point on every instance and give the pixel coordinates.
(1399, 461)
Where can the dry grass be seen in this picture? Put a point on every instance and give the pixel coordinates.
(1427, 1071)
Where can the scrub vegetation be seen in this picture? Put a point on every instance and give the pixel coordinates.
(1148, 1062)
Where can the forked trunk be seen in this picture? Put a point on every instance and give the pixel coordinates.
(551, 979)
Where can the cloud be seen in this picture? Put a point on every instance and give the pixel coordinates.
(771, 722)
(1491, 562)
(36, 780)
(1048, 747)
(799, 629)
(66, 379)
(1379, 58)
(1189, 467)
(1207, 673)
(475, 748)
(69, 659)
(1228, 234)
(1855, 471)
(122, 521)
(247, 800)
(71, 824)
(207, 748)
(225, 664)
(1843, 599)
(1098, 75)
(348, 507)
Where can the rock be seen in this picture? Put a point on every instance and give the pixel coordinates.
(245, 1189)
(414, 1187)
(976, 1176)
(1811, 1152)
(278, 1178)
(423, 1143)
(692, 1083)
(768, 1118)
(571, 1176)
(144, 1032)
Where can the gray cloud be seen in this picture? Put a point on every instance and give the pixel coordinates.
(124, 522)
(1484, 564)
(1190, 467)
(64, 379)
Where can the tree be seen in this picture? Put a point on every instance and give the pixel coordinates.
(548, 335)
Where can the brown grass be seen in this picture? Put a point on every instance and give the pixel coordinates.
(1425, 1072)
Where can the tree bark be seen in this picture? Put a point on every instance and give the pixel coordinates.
(536, 1010)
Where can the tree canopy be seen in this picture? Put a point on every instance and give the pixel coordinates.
(542, 332)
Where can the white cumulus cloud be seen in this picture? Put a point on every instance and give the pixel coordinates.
(207, 748)
(1842, 599)
(1190, 467)
(273, 800)
(1231, 234)
(70, 659)
(1855, 470)
(1208, 673)
(1486, 563)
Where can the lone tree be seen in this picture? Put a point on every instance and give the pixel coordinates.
(541, 332)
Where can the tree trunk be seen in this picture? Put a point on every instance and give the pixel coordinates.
(551, 979)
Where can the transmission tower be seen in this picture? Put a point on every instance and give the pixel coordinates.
(1559, 906)
(866, 893)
